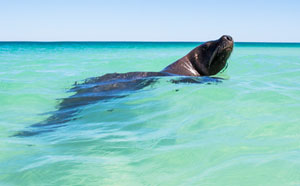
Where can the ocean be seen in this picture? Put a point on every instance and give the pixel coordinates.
(244, 130)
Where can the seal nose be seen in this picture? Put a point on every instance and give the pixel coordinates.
(226, 37)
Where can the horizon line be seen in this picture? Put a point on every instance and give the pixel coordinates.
(99, 41)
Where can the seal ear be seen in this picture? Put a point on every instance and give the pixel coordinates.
(204, 47)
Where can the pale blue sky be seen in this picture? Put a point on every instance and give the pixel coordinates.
(151, 20)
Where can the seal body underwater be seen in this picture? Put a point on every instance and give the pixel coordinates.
(205, 60)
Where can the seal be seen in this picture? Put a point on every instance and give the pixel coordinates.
(205, 60)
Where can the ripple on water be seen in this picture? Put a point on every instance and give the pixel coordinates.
(242, 131)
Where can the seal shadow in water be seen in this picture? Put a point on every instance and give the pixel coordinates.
(205, 60)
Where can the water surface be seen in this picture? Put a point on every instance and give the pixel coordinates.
(242, 131)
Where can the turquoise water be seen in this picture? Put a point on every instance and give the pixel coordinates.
(242, 131)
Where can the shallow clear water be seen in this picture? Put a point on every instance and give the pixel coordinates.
(242, 131)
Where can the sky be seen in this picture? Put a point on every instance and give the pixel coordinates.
(149, 20)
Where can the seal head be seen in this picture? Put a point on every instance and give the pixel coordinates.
(205, 60)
